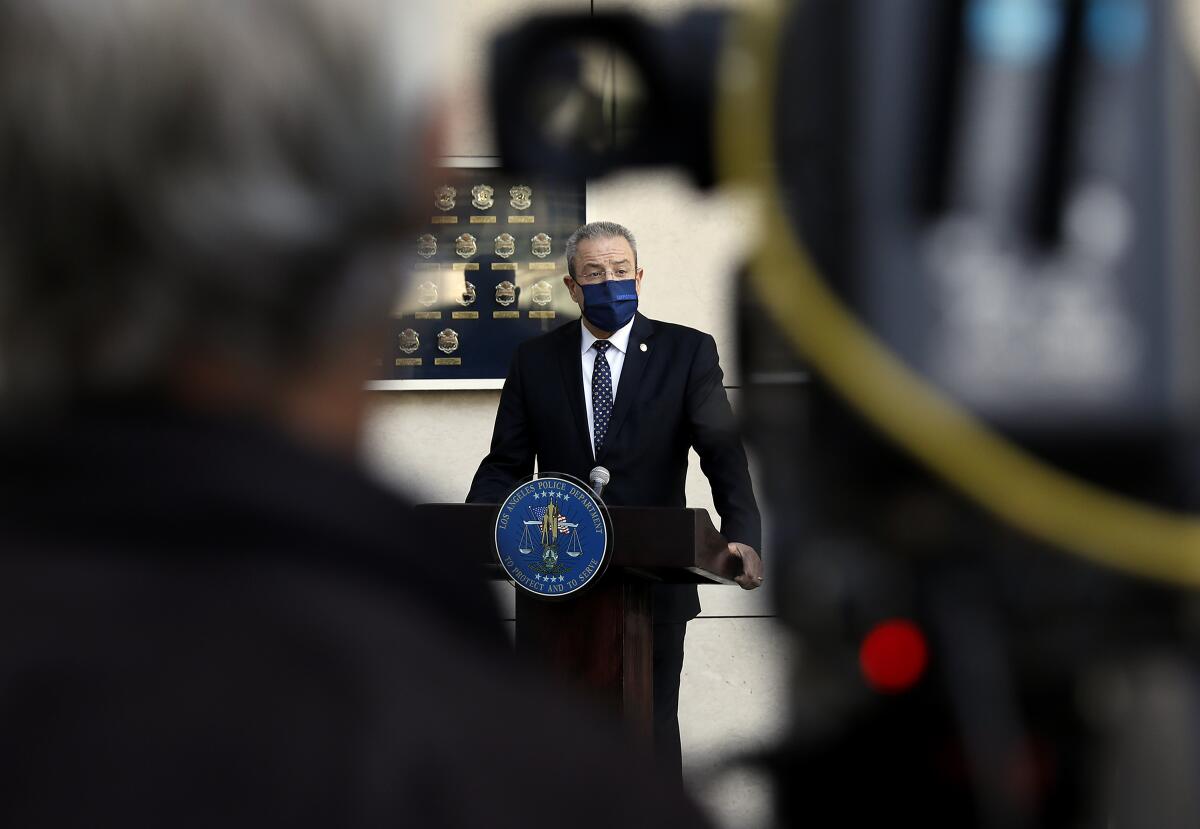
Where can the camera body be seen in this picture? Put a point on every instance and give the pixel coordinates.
(992, 206)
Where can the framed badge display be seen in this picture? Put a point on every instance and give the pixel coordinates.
(485, 273)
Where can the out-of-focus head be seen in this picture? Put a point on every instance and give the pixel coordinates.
(190, 183)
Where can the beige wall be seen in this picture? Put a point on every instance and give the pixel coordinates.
(429, 443)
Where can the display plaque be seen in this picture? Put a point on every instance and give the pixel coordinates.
(490, 261)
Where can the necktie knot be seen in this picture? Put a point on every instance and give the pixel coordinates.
(601, 345)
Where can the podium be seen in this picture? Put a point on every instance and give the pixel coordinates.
(603, 639)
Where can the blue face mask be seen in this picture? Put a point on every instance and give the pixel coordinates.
(610, 304)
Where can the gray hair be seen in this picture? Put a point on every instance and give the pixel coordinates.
(183, 174)
(598, 230)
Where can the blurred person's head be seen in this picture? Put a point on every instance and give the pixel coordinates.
(198, 199)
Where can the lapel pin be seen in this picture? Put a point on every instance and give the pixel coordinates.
(643, 347)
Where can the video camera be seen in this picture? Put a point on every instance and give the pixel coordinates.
(972, 364)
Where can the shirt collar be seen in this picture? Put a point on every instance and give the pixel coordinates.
(619, 338)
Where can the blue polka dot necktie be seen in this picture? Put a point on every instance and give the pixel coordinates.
(602, 394)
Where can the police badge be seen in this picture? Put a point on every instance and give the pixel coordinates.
(464, 246)
(522, 196)
(426, 245)
(467, 297)
(410, 341)
(482, 197)
(427, 293)
(506, 245)
(448, 340)
(506, 293)
(541, 293)
(553, 536)
(541, 245)
(443, 197)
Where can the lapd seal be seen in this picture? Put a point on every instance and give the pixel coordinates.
(553, 536)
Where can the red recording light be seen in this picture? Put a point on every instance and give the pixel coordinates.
(893, 656)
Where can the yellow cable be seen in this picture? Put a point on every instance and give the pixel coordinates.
(1013, 484)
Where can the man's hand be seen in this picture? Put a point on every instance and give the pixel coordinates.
(752, 566)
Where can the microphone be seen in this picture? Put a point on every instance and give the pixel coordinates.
(598, 478)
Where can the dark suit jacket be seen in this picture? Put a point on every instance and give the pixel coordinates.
(670, 397)
(206, 624)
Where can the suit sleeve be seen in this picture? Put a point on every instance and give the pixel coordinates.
(511, 456)
(716, 440)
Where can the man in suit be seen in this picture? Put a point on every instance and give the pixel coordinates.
(632, 394)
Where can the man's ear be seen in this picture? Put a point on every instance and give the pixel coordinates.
(570, 283)
(637, 281)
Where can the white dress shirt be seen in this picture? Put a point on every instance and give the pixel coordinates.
(616, 359)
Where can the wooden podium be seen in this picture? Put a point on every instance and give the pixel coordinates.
(604, 639)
